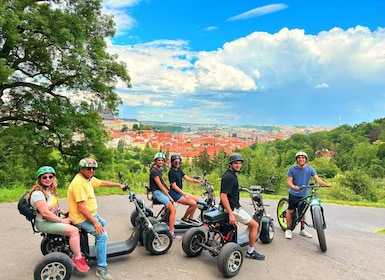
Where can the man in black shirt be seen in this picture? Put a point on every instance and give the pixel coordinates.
(230, 202)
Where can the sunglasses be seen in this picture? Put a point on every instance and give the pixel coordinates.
(47, 177)
(91, 168)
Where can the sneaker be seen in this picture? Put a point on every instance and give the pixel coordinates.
(194, 221)
(80, 264)
(176, 237)
(254, 255)
(288, 234)
(186, 221)
(103, 273)
(305, 233)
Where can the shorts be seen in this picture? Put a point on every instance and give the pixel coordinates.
(241, 215)
(161, 197)
(293, 201)
(50, 227)
(175, 195)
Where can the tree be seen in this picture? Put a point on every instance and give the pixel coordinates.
(53, 62)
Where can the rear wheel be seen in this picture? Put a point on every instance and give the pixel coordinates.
(55, 265)
(54, 243)
(192, 240)
(282, 207)
(230, 259)
(318, 224)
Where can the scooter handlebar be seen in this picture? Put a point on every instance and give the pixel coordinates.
(126, 187)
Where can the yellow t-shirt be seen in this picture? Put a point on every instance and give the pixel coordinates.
(81, 189)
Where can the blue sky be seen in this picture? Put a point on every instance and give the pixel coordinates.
(312, 63)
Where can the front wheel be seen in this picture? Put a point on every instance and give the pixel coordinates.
(230, 259)
(282, 207)
(158, 245)
(55, 265)
(267, 232)
(318, 224)
(192, 240)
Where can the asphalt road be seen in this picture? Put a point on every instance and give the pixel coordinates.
(355, 250)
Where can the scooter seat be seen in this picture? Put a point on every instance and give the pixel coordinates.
(202, 205)
(216, 216)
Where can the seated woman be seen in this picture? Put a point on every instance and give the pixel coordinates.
(175, 177)
(43, 198)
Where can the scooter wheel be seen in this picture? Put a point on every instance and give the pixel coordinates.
(53, 243)
(192, 240)
(158, 246)
(230, 259)
(55, 265)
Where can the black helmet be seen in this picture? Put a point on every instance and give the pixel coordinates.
(176, 156)
(235, 157)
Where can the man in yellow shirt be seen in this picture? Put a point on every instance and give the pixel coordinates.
(83, 207)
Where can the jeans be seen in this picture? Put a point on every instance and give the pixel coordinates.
(101, 240)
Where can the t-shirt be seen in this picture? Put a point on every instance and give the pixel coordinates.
(301, 177)
(176, 176)
(52, 203)
(154, 173)
(82, 189)
(230, 185)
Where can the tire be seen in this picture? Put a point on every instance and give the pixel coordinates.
(135, 213)
(55, 265)
(141, 237)
(267, 232)
(282, 206)
(318, 224)
(191, 240)
(159, 246)
(230, 259)
(54, 243)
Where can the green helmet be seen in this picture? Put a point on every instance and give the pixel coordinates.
(45, 169)
(235, 157)
(88, 162)
(159, 155)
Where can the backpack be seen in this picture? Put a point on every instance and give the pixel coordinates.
(27, 210)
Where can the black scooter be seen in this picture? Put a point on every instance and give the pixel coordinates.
(163, 215)
(57, 263)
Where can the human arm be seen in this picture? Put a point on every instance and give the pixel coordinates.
(43, 209)
(111, 184)
(226, 204)
(291, 184)
(82, 207)
(162, 187)
(192, 180)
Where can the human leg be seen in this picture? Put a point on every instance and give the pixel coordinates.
(192, 206)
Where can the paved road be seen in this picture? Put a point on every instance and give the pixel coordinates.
(355, 251)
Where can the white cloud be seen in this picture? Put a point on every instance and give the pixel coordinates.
(260, 11)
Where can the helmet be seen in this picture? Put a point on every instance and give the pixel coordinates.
(300, 154)
(45, 169)
(88, 162)
(159, 155)
(176, 156)
(235, 157)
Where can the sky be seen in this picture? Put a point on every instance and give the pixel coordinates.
(292, 63)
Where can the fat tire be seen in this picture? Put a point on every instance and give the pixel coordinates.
(55, 265)
(267, 232)
(230, 259)
(153, 221)
(318, 224)
(282, 206)
(53, 243)
(135, 213)
(154, 246)
(191, 240)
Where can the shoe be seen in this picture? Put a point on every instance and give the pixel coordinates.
(80, 264)
(194, 221)
(305, 233)
(176, 237)
(254, 255)
(288, 234)
(103, 273)
(186, 221)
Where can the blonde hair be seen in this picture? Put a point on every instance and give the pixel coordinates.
(39, 187)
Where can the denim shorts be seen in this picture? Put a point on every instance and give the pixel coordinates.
(161, 197)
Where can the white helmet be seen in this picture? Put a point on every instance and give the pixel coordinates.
(301, 154)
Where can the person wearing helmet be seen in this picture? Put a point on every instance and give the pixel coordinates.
(299, 175)
(83, 208)
(175, 177)
(229, 196)
(160, 191)
(43, 198)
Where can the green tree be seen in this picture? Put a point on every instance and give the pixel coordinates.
(53, 62)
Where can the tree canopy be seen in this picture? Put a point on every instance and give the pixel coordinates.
(53, 63)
